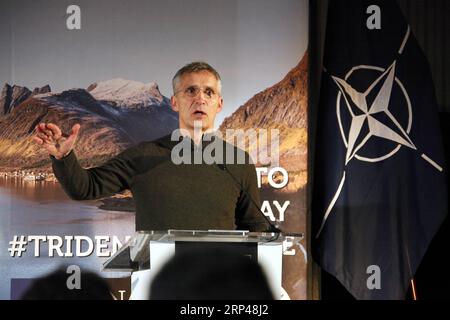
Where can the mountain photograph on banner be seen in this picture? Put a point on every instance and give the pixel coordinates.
(112, 74)
(129, 112)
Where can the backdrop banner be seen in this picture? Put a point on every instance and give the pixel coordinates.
(108, 65)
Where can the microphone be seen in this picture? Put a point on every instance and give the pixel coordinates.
(272, 228)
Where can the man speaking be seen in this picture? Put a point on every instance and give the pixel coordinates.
(168, 195)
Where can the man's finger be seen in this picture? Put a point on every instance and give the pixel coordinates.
(76, 127)
(43, 137)
(42, 128)
(49, 133)
(55, 130)
(73, 134)
(40, 135)
(38, 140)
(39, 128)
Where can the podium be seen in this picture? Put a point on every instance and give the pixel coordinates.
(147, 252)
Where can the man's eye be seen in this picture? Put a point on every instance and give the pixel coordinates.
(209, 92)
(191, 90)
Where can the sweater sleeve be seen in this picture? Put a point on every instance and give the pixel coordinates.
(87, 184)
(248, 213)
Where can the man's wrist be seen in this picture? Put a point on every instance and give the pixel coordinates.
(64, 155)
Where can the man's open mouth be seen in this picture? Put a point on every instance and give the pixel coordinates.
(199, 112)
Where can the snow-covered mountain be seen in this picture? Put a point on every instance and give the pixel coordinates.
(127, 93)
(113, 114)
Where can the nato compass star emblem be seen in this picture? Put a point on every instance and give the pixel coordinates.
(370, 117)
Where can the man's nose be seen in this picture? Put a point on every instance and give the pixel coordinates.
(201, 96)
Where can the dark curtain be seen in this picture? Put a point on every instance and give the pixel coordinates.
(317, 26)
(429, 20)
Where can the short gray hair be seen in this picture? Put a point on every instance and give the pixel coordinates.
(193, 67)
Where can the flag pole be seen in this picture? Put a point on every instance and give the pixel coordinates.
(413, 283)
(413, 289)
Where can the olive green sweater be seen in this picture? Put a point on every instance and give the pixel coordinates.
(167, 195)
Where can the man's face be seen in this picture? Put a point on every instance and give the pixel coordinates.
(197, 99)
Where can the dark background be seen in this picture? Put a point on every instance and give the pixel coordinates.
(430, 24)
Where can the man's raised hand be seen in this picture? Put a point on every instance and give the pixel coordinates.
(50, 137)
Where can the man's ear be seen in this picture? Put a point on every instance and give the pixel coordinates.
(220, 106)
(174, 104)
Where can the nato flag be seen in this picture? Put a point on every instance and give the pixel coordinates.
(379, 192)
